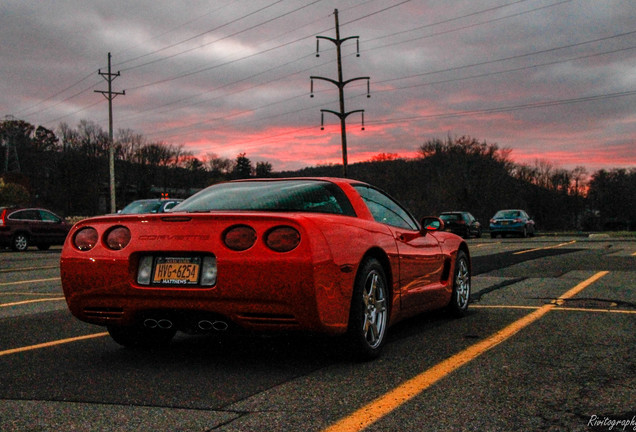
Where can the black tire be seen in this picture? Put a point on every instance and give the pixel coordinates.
(20, 242)
(140, 337)
(369, 314)
(460, 297)
(478, 235)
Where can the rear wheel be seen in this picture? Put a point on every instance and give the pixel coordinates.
(461, 286)
(20, 242)
(141, 337)
(369, 314)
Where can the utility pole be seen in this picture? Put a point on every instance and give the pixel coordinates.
(110, 95)
(342, 114)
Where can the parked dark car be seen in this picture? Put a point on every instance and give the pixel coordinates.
(24, 227)
(461, 223)
(511, 222)
(150, 206)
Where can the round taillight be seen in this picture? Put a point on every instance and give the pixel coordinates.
(239, 237)
(85, 239)
(117, 238)
(282, 239)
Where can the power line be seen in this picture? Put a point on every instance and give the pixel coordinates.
(205, 69)
(219, 39)
(458, 79)
(508, 108)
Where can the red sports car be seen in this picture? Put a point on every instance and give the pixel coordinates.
(324, 255)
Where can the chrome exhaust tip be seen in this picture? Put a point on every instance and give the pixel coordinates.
(163, 323)
(207, 325)
(150, 323)
(220, 325)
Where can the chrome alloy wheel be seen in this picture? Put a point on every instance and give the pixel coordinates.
(462, 283)
(375, 310)
(20, 242)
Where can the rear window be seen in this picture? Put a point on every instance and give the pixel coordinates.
(507, 214)
(313, 196)
(451, 217)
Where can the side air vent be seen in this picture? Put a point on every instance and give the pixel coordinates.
(107, 313)
(269, 319)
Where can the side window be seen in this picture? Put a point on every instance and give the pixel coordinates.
(48, 217)
(385, 210)
(26, 215)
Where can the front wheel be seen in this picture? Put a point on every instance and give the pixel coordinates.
(369, 315)
(460, 297)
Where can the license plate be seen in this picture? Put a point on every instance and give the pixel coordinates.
(177, 270)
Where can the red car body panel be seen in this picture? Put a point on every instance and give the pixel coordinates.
(308, 288)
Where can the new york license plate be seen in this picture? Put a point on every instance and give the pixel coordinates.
(176, 270)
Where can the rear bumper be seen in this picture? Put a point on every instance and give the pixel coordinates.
(511, 228)
(272, 295)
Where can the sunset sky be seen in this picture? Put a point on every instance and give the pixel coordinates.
(552, 80)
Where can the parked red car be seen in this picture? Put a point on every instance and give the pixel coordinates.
(24, 227)
(332, 256)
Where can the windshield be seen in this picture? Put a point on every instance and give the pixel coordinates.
(284, 195)
(141, 207)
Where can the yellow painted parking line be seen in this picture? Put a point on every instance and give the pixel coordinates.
(31, 293)
(50, 344)
(28, 269)
(619, 311)
(30, 301)
(29, 281)
(546, 247)
(575, 309)
(388, 402)
(503, 307)
(484, 244)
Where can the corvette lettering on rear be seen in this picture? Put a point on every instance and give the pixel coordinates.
(174, 237)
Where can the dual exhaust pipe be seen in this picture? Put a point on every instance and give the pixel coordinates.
(205, 325)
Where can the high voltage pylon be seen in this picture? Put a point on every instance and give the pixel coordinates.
(110, 95)
(11, 160)
(342, 114)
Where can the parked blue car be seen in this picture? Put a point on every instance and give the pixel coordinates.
(511, 222)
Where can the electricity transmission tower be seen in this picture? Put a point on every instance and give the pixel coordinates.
(110, 95)
(11, 161)
(342, 114)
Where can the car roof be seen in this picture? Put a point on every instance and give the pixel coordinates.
(337, 180)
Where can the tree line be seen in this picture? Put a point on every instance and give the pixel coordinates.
(67, 171)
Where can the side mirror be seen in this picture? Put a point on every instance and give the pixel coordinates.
(431, 223)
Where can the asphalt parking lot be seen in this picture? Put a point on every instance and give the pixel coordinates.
(549, 344)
